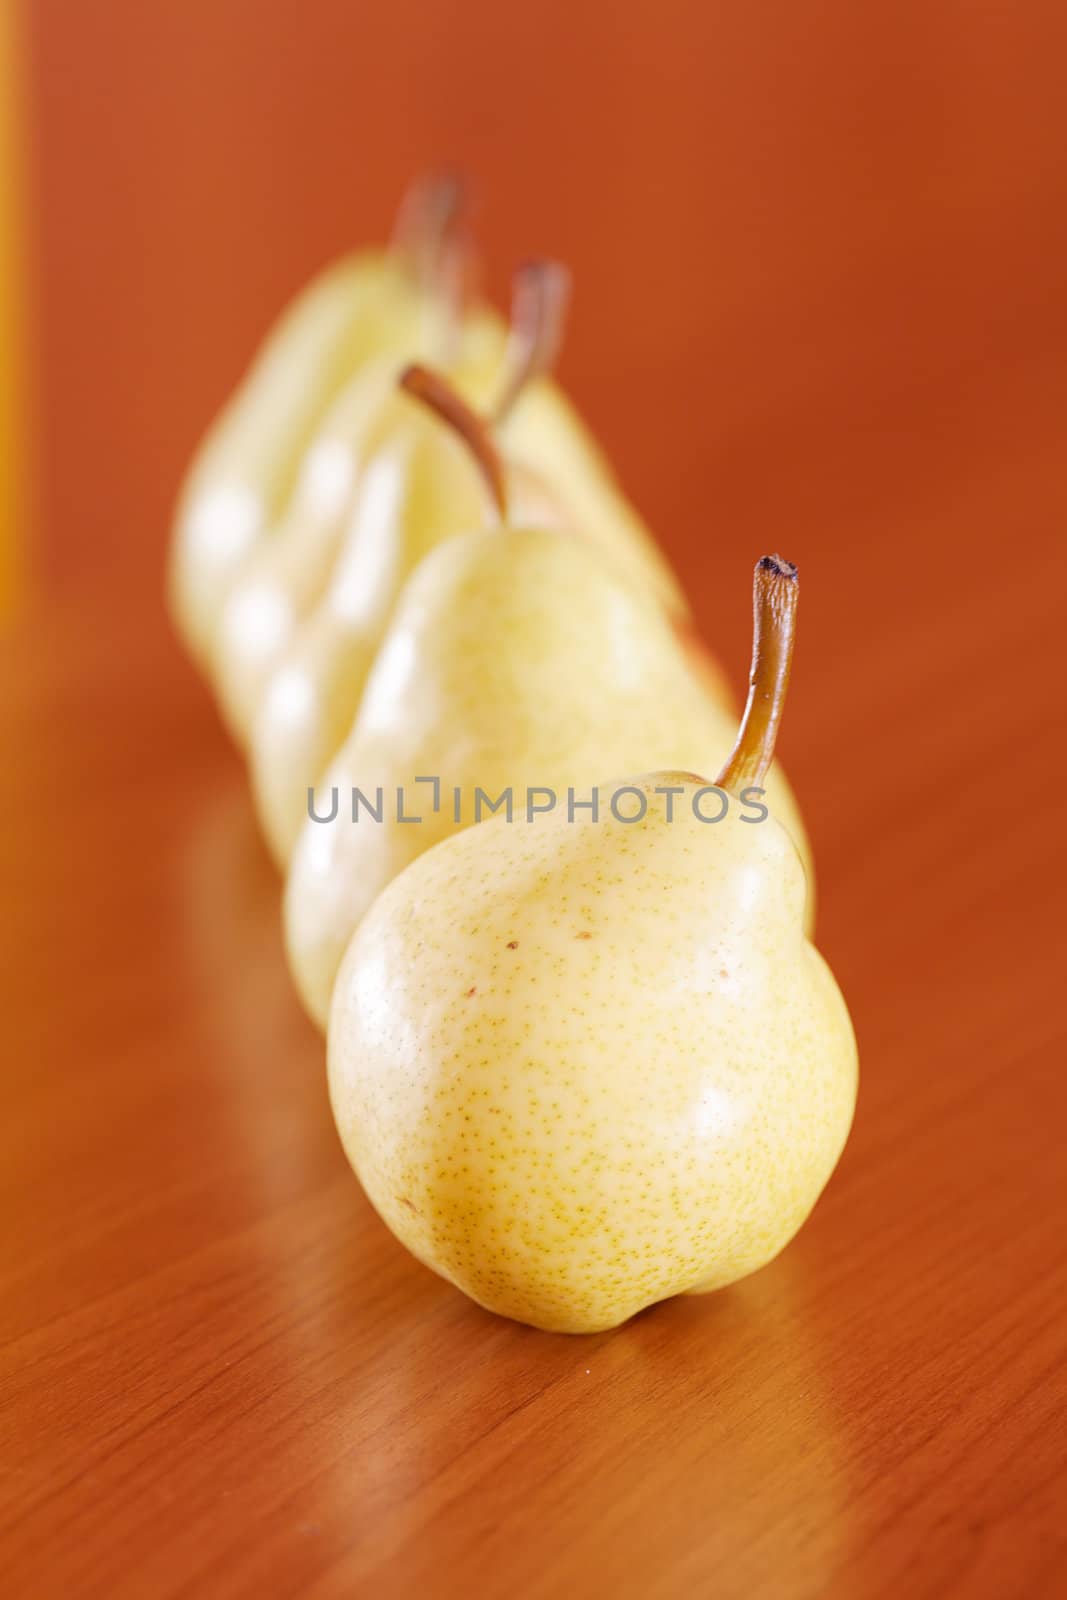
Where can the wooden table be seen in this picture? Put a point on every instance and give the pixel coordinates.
(221, 1376)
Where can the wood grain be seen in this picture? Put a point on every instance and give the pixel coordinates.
(219, 1376)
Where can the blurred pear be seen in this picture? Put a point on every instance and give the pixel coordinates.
(244, 471)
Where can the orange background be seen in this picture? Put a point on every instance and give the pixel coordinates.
(808, 238)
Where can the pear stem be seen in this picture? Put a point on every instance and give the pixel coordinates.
(539, 296)
(438, 394)
(426, 222)
(775, 591)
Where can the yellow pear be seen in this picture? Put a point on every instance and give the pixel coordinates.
(416, 485)
(518, 658)
(413, 496)
(245, 470)
(584, 1064)
(286, 576)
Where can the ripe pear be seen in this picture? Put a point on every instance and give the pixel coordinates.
(286, 576)
(415, 485)
(582, 1066)
(517, 658)
(416, 492)
(245, 470)
(419, 489)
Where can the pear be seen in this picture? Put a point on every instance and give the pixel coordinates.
(245, 470)
(285, 578)
(415, 486)
(517, 658)
(413, 496)
(580, 1066)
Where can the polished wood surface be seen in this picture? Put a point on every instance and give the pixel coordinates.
(219, 1375)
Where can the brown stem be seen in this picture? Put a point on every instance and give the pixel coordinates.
(774, 605)
(539, 296)
(437, 393)
(425, 223)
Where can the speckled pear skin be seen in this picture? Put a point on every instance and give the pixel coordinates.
(516, 658)
(581, 1067)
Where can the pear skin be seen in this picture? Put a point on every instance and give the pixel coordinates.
(583, 1066)
(516, 658)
